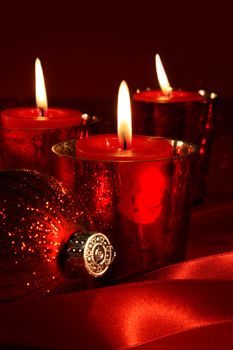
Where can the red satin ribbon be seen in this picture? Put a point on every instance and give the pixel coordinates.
(185, 306)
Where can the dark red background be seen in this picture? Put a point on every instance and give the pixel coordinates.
(88, 47)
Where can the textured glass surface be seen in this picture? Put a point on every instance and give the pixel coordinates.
(143, 207)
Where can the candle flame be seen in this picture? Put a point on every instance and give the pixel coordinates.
(41, 96)
(162, 77)
(124, 120)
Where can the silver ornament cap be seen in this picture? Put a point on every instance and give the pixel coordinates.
(87, 252)
(98, 254)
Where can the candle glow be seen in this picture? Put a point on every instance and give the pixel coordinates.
(162, 77)
(124, 120)
(41, 96)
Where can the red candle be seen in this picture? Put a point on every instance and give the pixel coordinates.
(29, 133)
(137, 192)
(177, 114)
(181, 115)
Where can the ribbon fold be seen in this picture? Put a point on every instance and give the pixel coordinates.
(177, 307)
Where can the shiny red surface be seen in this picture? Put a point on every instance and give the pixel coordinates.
(140, 198)
(180, 307)
(176, 96)
(185, 306)
(142, 191)
(28, 118)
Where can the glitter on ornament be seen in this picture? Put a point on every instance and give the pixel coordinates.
(38, 218)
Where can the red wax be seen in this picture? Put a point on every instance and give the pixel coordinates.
(28, 118)
(106, 147)
(175, 96)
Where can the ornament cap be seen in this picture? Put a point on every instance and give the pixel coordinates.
(87, 252)
(98, 254)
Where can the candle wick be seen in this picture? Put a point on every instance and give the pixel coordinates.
(124, 144)
(169, 93)
(41, 111)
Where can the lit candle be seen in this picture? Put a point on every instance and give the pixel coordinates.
(136, 191)
(29, 133)
(178, 114)
(167, 112)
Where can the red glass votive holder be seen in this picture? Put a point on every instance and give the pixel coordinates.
(26, 139)
(184, 115)
(143, 203)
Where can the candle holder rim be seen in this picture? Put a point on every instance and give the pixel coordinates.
(194, 147)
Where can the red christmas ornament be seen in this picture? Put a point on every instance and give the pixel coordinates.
(44, 247)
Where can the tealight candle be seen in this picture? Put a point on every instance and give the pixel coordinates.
(137, 190)
(29, 133)
(177, 114)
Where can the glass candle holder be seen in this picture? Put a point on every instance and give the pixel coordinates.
(189, 116)
(142, 203)
(27, 144)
